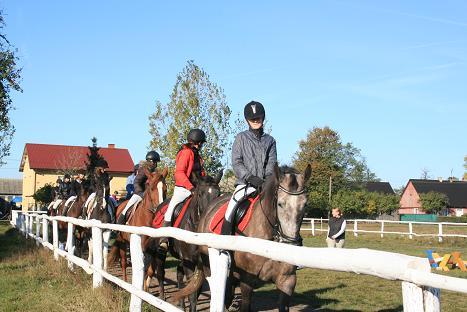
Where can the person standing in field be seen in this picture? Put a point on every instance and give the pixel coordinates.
(336, 230)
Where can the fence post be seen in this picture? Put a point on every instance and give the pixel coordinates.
(312, 227)
(31, 222)
(431, 299)
(137, 278)
(97, 256)
(440, 232)
(412, 297)
(38, 229)
(26, 226)
(55, 238)
(321, 226)
(219, 263)
(410, 230)
(382, 229)
(355, 228)
(45, 230)
(70, 242)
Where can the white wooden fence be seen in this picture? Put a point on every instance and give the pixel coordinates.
(420, 287)
(321, 225)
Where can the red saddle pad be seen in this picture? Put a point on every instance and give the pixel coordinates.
(158, 220)
(216, 223)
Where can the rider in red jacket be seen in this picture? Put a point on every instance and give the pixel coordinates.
(188, 163)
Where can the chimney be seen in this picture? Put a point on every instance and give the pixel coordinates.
(111, 145)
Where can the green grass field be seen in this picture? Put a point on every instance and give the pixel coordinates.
(30, 280)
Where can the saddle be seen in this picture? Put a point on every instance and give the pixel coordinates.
(243, 213)
(178, 215)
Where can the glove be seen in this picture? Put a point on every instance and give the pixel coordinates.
(255, 181)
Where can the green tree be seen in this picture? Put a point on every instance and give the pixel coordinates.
(329, 158)
(195, 102)
(44, 194)
(361, 203)
(433, 202)
(10, 77)
(93, 158)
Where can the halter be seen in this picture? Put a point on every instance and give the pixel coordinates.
(295, 193)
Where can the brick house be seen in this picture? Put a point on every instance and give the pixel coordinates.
(44, 163)
(456, 191)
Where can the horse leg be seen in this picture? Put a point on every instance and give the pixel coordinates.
(189, 269)
(105, 247)
(180, 275)
(246, 291)
(147, 269)
(90, 250)
(286, 285)
(159, 265)
(122, 251)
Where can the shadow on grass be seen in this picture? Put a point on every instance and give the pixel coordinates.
(12, 243)
(306, 301)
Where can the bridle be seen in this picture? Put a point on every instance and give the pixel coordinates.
(279, 235)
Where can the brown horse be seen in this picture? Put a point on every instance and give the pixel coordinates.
(75, 210)
(156, 191)
(277, 215)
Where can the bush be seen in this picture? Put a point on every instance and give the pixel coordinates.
(361, 203)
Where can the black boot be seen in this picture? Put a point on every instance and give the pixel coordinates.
(226, 228)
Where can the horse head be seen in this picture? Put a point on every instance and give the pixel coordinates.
(291, 200)
(156, 186)
(207, 189)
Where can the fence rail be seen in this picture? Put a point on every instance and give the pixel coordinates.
(419, 285)
(320, 225)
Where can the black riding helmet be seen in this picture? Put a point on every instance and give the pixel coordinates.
(254, 110)
(196, 136)
(153, 156)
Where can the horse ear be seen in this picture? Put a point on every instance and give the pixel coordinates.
(307, 172)
(219, 176)
(165, 172)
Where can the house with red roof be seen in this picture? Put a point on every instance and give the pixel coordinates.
(45, 163)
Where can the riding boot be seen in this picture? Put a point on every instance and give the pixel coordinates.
(164, 241)
(226, 228)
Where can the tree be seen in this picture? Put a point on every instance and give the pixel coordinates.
(434, 202)
(361, 203)
(465, 168)
(69, 161)
(44, 194)
(425, 175)
(195, 102)
(330, 158)
(10, 77)
(93, 159)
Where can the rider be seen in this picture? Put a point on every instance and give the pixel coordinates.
(130, 182)
(187, 163)
(253, 158)
(55, 193)
(152, 158)
(75, 190)
(64, 189)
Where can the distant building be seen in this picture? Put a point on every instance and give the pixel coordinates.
(379, 187)
(44, 163)
(10, 188)
(456, 191)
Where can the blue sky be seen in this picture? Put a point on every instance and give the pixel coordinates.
(389, 77)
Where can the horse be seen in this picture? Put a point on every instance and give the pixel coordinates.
(75, 210)
(206, 189)
(276, 215)
(154, 194)
(101, 209)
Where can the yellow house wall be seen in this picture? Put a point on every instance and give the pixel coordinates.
(33, 180)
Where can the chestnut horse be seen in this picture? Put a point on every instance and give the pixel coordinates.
(156, 191)
(277, 215)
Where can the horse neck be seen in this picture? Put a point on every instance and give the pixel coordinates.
(265, 216)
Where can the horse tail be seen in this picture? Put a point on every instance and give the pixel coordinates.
(193, 285)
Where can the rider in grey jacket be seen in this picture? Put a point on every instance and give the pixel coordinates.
(254, 155)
